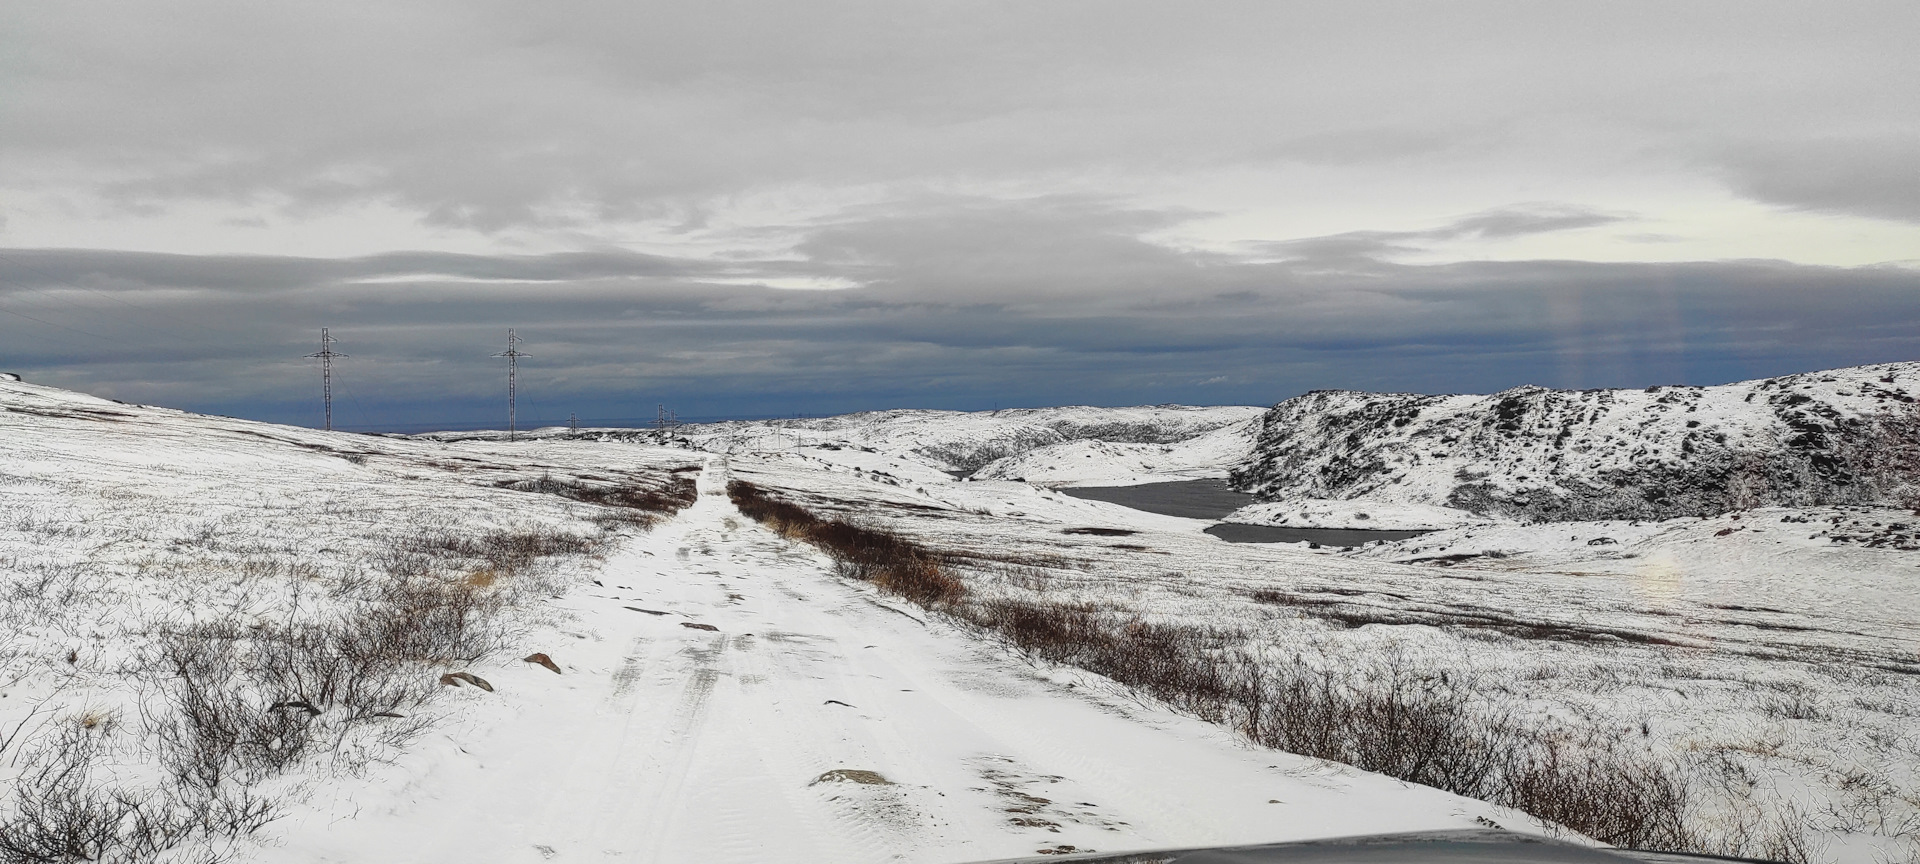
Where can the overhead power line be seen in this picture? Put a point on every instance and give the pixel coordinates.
(52, 324)
(140, 307)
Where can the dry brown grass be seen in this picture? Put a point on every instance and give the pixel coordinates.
(890, 562)
(667, 495)
(237, 700)
(1384, 713)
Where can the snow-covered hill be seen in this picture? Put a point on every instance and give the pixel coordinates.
(1842, 436)
(967, 442)
(1074, 445)
(1107, 462)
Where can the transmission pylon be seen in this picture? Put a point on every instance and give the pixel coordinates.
(573, 423)
(512, 354)
(326, 355)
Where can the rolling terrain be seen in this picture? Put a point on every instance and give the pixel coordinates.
(732, 686)
(228, 639)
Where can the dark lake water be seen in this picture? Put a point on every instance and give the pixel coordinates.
(1211, 499)
(1194, 499)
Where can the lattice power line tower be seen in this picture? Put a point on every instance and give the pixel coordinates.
(326, 355)
(513, 354)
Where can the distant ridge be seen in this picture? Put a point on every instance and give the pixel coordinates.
(1842, 436)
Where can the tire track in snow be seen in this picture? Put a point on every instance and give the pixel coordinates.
(669, 769)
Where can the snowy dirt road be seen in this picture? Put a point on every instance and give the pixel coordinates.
(726, 698)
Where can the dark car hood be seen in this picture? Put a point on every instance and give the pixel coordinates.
(1425, 847)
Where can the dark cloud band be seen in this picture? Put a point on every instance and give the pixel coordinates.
(1061, 304)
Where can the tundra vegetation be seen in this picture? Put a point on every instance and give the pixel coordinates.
(187, 648)
(1296, 672)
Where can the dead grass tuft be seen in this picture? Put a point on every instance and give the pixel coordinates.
(504, 552)
(61, 813)
(670, 495)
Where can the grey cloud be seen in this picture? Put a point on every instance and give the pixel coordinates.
(1360, 146)
(502, 116)
(495, 114)
(1523, 220)
(1878, 177)
(973, 250)
(616, 333)
(1517, 221)
(107, 269)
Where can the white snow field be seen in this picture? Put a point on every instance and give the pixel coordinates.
(807, 719)
(1770, 655)
(1355, 513)
(1776, 667)
(723, 696)
(1070, 446)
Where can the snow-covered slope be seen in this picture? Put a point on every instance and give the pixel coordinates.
(1749, 649)
(1088, 462)
(1075, 445)
(1839, 436)
(1354, 514)
(964, 442)
(168, 579)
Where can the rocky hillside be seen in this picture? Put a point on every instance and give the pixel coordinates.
(1835, 437)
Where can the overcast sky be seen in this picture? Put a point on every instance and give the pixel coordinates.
(760, 208)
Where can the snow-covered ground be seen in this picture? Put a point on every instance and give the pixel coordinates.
(1355, 513)
(1847, 568)
(1070, 446)
(1780, 667)
(1205, 456)
(723, 696)
(1773, 650)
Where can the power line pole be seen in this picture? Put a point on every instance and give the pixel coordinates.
(512, 354)
(326, 355)
(573, 423)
